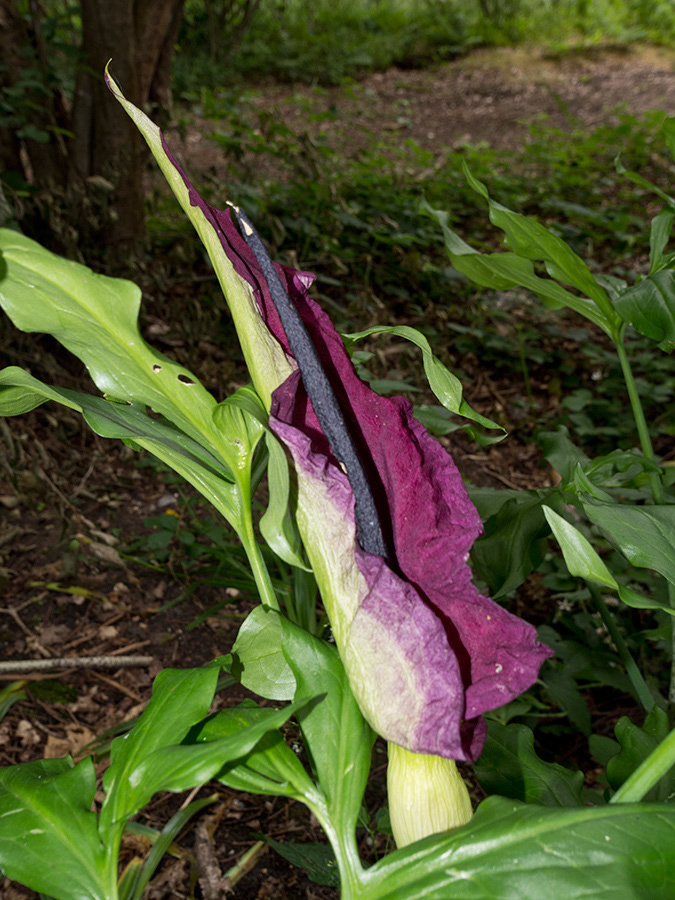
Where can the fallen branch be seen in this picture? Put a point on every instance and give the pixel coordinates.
(74, 662)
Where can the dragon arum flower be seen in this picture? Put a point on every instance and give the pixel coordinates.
(384, 516)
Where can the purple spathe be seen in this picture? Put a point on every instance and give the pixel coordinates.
(426, 654)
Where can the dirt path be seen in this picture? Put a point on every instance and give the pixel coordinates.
(487, 96)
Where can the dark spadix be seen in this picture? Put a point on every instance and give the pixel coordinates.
(320, 391)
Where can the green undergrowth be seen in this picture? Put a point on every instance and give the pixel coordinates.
(354, 219)
(328, 41)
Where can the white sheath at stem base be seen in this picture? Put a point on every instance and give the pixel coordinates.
(426, 795)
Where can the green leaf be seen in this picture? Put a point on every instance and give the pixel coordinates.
(512, 545)
(644, 534)
(638, 601)
(49, 840)
(259, 662)
(503, 271)
(337, 737)
(649, 306)
(580, 557)
(446, 386)
(625, 469)
(636, 745)
(530, 239)
(232, 417)
(95, 317)
(181, 767)
(602, 748)
(265, 357)
(509, 766)
(564, 689)
(561, 453)
(318, 860)
(272, 768)
(582, 484)
(19, 390)
(643, 182)
(180, 698)
(10, 695)
(277, 524)
(510, 850)
(659, 235)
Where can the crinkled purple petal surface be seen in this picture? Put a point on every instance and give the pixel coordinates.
(471, 654)
(402, 670)
(432, 518)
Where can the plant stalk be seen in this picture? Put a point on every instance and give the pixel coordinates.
(255, 558)
(346, 854)
(638, 414)
(654, 477)
(659, 761)
(638, 682)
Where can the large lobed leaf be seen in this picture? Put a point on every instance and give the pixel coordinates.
(512, 851)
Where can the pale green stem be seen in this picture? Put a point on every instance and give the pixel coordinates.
(638, 414)
(114, 839)
(654, 477)
(659, 761)
(346, 853)
(629, 663)
(255, 558)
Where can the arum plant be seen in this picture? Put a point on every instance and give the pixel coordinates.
(365, 498)
(644, 532)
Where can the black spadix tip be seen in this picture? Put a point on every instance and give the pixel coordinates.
(322, 396)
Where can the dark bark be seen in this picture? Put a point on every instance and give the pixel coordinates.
(112, 145)
(139, 36)
(11, 39)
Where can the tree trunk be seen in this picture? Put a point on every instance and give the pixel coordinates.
(11, 39)
(139, 37)
(107, 143)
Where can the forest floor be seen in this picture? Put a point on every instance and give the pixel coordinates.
(70, 502)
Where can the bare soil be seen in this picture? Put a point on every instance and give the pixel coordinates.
(488, 96)
(70, 501)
